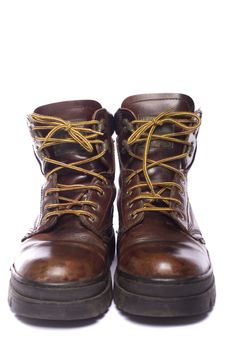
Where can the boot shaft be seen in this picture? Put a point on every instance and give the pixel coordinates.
(156, 144)
(73, 144)
(157, 111)
(78, 131)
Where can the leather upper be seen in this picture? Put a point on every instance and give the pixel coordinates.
(70, 248)
(157, 244)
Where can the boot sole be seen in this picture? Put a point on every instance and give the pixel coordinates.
(168, 298)
(59, 301)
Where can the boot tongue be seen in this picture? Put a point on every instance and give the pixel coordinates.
(146, 107)
(70, 110)
(150, 105)
(73, 111)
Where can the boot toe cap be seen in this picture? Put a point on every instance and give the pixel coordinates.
(59, 262)
(164, 261)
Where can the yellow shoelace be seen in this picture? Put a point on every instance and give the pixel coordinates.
(77, 132)
(146, 133)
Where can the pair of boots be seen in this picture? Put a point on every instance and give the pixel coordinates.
(163, 269)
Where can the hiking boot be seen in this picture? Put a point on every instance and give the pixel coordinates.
(63, 269)
(163, 267)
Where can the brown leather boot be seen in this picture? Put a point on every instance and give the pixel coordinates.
(62, 271)
(163, 268)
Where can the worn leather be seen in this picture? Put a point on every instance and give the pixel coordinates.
(155, 244)
(72, 248)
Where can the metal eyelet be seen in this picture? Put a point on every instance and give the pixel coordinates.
(106, 145)
(101, 126)
(91, 219)
(181, 190)
(125, 129)
(100, 194)
(191, 150)
(181, 216)
(182, 180)
(181, 207)
(133, 216)
(94, 208)
(128, 181)
(126, 123)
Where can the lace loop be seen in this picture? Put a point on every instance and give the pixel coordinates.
(145, 132)
(78, 132)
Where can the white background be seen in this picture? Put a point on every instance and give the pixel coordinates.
(106, 50)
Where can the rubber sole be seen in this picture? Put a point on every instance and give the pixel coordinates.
(157, 298)
(70, 301)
